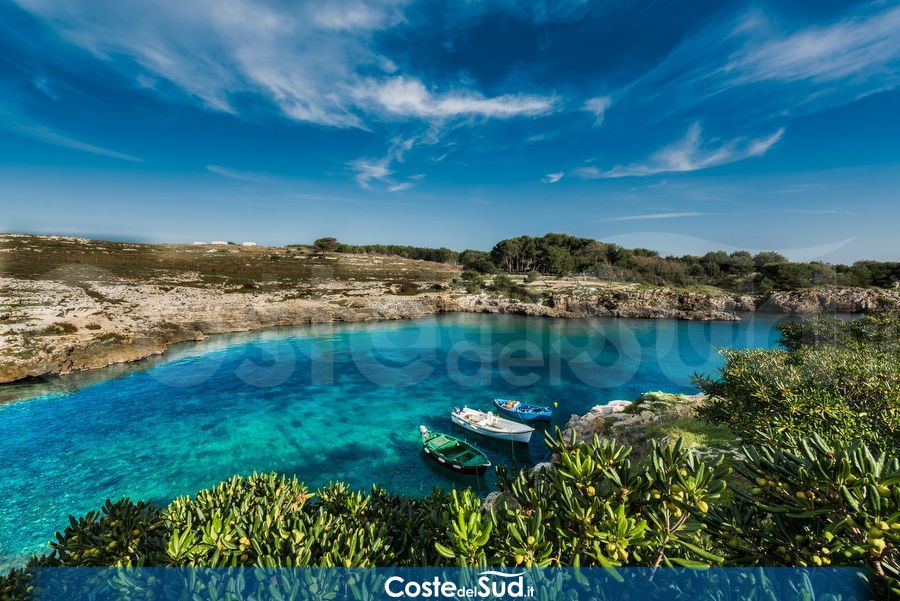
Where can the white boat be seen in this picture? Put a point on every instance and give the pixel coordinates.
(490, 424)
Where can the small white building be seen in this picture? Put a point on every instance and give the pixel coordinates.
(248, 243)
(199, 243)
(219, 242)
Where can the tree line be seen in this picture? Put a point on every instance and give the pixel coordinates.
(564, 255)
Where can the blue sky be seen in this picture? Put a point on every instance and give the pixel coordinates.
(676, 126)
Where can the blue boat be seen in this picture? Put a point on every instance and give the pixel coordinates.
(524, 411)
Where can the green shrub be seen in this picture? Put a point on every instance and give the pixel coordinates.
(815, 504)
(59, 329)
(879, 330)
(477, 260)
(266, 521)
(806, 503)
(503, 284)
(598, 509)
(325, 244)
(839, 380)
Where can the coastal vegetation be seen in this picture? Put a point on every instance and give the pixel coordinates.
(809, 505)
(564, 255)
(836, 379)
(815, 486)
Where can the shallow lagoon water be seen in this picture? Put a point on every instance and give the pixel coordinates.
(327, 402)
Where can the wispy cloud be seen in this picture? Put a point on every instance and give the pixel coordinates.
(847, 48)
(691, 153)
(243, 176)
(370, 170)
(410, 98)
(753, 66)
(598, 107)
(314, 61)
(552, 178)
(47, 135)
(655, 216)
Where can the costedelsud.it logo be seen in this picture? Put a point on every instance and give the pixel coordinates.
(488, 585)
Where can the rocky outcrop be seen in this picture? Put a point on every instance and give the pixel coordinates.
(654, 416)
(617, 418)
(830, 300)
(615, 301)
(648, 302)
(659, 302)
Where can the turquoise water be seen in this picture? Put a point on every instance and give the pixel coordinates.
(331, 402)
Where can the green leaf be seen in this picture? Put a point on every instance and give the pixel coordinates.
(701, 552)
(689, 563)
(443, 551)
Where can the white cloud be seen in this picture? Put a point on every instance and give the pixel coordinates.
(750, 68)
(368, 170)
(691, 153)
(552, 178)
(655, 216)
(849, 47)
(409, 97)
(598, 106)
(312, 60)
(352, 15)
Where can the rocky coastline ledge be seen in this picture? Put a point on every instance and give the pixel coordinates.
(70, 304)
(51, 327)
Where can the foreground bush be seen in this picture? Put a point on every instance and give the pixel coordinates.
(807, 506)
(838, 379)
(815, 505)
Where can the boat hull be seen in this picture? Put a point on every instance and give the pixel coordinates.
(522, 437)
(459, 469)
(543, 416)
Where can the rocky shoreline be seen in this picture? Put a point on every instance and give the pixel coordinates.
(71, 328)
(654, 302)
(70, 304)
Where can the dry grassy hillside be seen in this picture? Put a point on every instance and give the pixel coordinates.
(230, 265)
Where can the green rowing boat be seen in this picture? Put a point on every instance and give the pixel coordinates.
(453, 453)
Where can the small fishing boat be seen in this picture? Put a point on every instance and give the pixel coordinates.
(524, 411)
(453, 453)
(490, 424)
